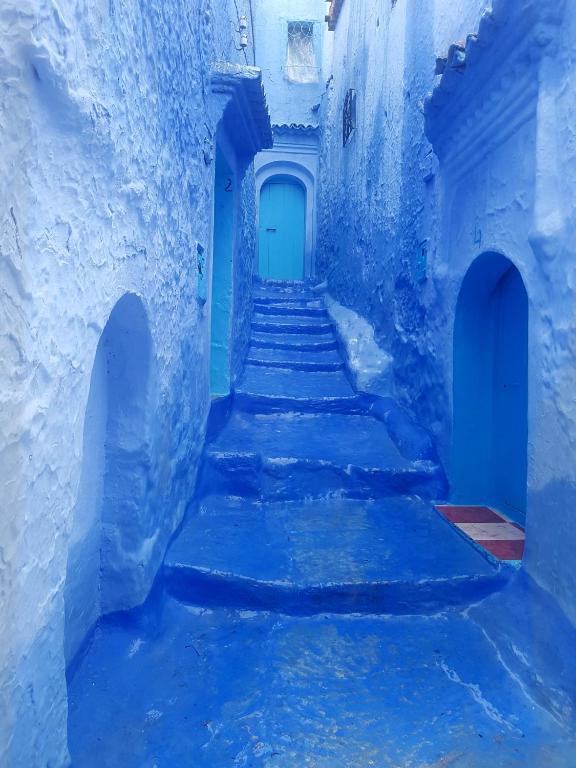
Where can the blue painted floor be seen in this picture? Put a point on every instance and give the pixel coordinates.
(315, 609)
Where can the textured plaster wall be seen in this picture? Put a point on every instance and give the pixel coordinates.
(289, 102)
(375, 206)
(104, 190)
(512, 191)
(295, 154)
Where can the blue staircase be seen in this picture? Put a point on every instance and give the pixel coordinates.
(313, 610)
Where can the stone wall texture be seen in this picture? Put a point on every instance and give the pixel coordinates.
(501, 177)
(105, 190)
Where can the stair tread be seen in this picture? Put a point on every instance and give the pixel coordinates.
(282, 382)
(294, 340)
(343, 439)
(295, 356)
(324, 691)
(324, 542)
(307, 309)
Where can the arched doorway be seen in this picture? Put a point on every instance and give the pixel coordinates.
(114, 475)
(489, 461)
(282, 229)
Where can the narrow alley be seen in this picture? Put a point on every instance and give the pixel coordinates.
(316, 609)
(287, 375)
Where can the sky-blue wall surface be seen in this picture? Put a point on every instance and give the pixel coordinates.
(402, 219)
(289, 102)
(106, 182)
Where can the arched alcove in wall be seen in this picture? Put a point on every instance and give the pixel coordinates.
(489, 460)
(114, 473)
(292, 173)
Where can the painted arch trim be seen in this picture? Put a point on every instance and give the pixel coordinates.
(297, 173)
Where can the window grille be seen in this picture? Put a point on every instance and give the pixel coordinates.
(301, 57)
(348, 116)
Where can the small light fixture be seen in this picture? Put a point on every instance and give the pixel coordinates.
(243, 32)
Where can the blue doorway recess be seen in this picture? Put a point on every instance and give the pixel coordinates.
(282, 229)
(222, 264)
(489, 463)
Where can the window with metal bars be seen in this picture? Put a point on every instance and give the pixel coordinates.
(301, 56)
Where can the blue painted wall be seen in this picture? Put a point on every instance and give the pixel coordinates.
(401, 220)
(222, 276)
(288, 102)
(109, 153)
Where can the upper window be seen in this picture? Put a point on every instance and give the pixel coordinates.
(301, 58)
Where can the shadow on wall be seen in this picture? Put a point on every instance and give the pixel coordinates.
(222, 275)
(114, 475)
(489, 460)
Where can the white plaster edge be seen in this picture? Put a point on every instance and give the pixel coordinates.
(369, 364)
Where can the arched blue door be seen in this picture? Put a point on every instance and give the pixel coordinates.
(489, 462)
(282, 229)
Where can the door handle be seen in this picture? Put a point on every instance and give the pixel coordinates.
(271, 229)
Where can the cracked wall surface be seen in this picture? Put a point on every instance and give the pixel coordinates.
(501, 179)
(106, 189)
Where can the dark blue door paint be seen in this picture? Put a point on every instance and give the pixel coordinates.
(282, 229)
(489, 463)
(222, 263)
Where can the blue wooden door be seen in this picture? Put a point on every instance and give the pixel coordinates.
(282, 230)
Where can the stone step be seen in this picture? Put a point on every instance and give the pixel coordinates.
(296, 359)
(289, 310)
(315, 387)
(226, 687)
(283, 291)
(394, 555)
(312, 342)
(288, 299)
(294, 455)
(287, 324)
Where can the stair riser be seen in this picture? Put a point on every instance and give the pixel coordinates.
(270, 404)
(321, 346)
(197, 587)
(295, 365)
(287, 301)
(313, 330)
(291, 479)
(288, 311)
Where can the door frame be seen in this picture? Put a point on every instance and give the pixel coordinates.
(302, 175)
(288, 181)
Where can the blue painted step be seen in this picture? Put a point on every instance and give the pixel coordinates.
(395, 555)
(287, 324)
(304, 342)
(291, 310)
(268, 388)
(297, 455)
(287, 291)
(296, 359)
(222, 688)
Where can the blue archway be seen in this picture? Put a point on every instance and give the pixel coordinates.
(282, 229)
(489, 458)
